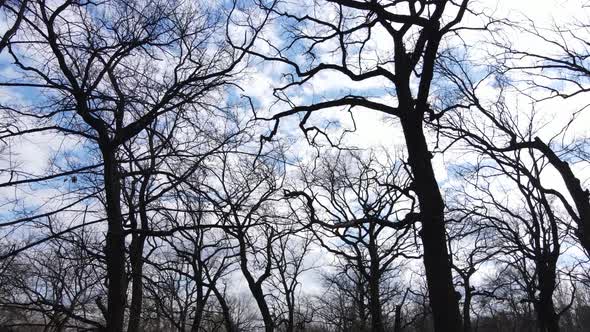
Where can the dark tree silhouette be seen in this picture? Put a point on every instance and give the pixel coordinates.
(415, 30)
(100, 68)
(147, 182)
(361, 212)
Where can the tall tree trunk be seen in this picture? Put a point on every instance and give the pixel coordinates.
(545, 308)
(199, 308)
(375, 306)
(115, 242)
(291, 313)
(136, 258)
(467, 307)
(443, 299)
(258, 294)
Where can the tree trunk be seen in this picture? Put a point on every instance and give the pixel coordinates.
(264, 310)
(291, 314)
(443, 299)
(375, 307)
(467, 308)
(374, 283)
(115, 242)
(397, 324)
(136, 257)
(255, 288)
(580, 196)
(545, 308)
(229, 325)
(199, 308)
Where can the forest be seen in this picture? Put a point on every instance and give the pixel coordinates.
(291, 166)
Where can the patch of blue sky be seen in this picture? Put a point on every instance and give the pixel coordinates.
(17, 94)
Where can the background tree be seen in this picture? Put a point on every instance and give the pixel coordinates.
(528, 231)
(361, 212)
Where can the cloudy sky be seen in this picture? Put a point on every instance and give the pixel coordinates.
(373, 129)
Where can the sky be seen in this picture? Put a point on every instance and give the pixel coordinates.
(373, 130)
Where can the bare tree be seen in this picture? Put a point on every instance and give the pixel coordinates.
(415, 30)
(472, 246)
(528, 231)
(107, 71)
(499, 123)
(55, 286)
(129, 155)
(289, 257)
(559, 63)
(362, 212)
(244, 191)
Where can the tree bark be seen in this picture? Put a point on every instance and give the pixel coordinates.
(136, 257)
(115, 242)
(545, 307)
(443, 299)
(467, 307)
